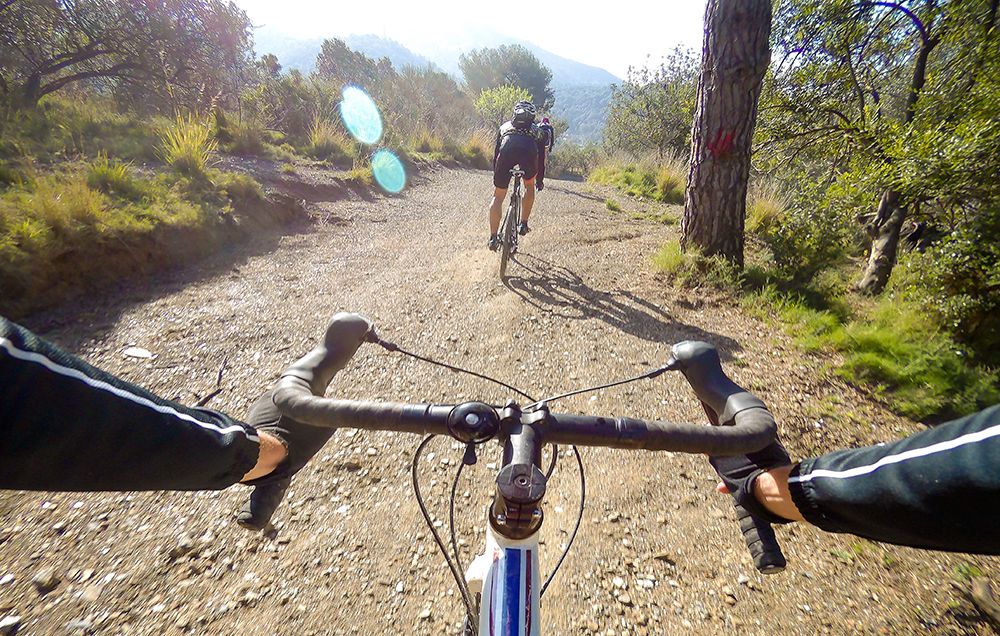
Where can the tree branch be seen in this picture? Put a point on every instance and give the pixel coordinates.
(898, 7)
(114, 71)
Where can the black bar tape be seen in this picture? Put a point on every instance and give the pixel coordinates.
(760, 540)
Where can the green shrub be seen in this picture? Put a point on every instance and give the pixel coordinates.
(62, 127)
(360, 174)
(327, 142)
(240, 189)
(477, 150)
(11, 176)
(111, 176)
(187, 146)
(691, 269)
(612, 205)
(958, 282)
(663, 182)
(891, 348)
(569, 159)
(765, 209)
(248, 140)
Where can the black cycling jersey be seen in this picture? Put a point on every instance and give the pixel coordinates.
(518, 144)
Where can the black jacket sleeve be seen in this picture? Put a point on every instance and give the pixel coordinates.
(938, 489)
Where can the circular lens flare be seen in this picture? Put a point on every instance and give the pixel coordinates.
(361, 115)
(388, 171)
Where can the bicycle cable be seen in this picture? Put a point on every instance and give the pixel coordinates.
(437, 538)
(645, 376)
(579, 520)
(393, 347)
(456, 566)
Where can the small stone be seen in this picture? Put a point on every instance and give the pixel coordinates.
(80, 627)
(625, 599)
(618, 582)
(6, 579)
(59, 527)
(91, 593)
(9, 625)
(184, 546)
(424, 614)
(371, 452)
(399, 587)
(742, 579)
(45, 580)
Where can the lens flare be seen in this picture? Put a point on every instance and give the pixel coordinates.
(361, 115)
(388, 171)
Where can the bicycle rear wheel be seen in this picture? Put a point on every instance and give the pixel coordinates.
(508, 233)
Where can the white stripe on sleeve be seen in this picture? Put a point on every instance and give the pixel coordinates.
(30, 356)
(940, 447)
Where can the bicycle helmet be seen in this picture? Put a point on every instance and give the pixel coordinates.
(524, 113)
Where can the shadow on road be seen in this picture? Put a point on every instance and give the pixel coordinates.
(558, 290)
(582, 195)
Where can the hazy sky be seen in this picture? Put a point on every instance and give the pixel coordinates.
(610, 35)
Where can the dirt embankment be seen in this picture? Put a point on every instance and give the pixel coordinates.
(658, 551)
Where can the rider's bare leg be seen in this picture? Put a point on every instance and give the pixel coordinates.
(495, 205)
(529, 200)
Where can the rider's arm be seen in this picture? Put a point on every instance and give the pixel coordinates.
(938, 489)
(496, 150)
(67, 425)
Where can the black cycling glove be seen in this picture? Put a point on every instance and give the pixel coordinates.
(345, 334)
(739, 472)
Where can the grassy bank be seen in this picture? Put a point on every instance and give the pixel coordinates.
(890, 347)
(657, 180)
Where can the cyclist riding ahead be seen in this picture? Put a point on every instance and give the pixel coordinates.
(522, 142)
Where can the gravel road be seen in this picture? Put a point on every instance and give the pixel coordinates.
(658, 551)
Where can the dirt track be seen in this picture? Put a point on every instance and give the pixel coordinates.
(351, 554)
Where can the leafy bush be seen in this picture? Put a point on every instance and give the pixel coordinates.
(612, 205)
(495, 105)
(958, 282)
(804, 242)
(568, 159)
(187, 146)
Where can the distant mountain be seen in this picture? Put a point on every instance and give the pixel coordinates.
(301, 55)
(582, 91)
(585, 108)
(375, 47)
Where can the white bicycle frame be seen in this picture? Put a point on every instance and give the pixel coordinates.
(506, 575)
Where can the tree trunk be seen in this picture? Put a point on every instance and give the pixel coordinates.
(735, 56)
(890, 216)
(886, 228)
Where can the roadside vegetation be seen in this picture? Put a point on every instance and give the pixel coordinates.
(106, 152)
(873, 216)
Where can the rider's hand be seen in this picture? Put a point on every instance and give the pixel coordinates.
(740, 474)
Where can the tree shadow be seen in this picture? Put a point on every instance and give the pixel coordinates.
(582, 195)
(559, 291)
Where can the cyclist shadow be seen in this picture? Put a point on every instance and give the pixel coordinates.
(558, 290)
